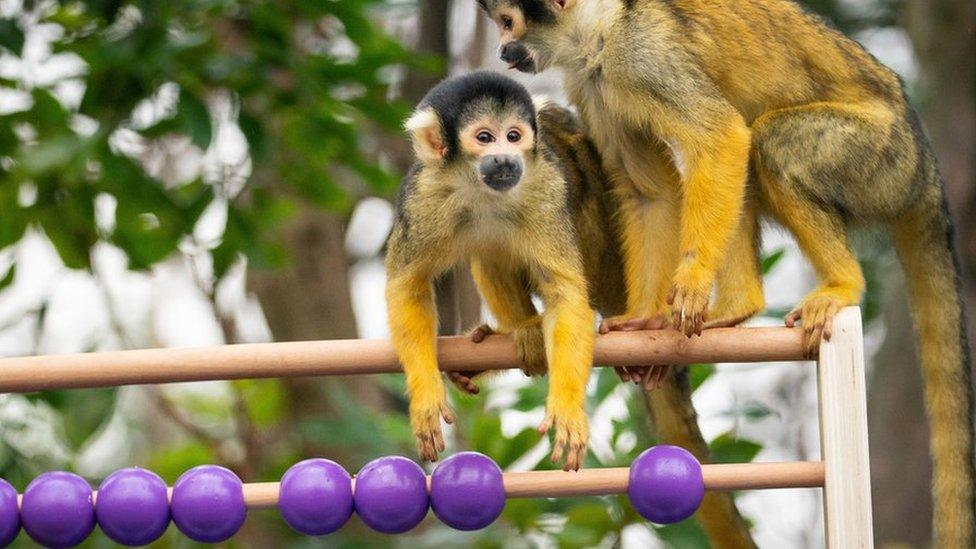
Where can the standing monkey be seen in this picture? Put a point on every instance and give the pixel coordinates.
(519, 193)
(681, 96)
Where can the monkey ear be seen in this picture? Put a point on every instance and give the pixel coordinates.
(563, 5)
(424, 127)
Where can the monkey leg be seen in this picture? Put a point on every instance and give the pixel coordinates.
(799, 155)
(739, 284)
(649, 237)
(676, 422)
(506, 292)
(413, 331)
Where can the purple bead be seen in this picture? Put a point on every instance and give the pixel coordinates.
(9, 514)
(466, 491)
(391, 494)
(57, 509)
(666, 484)
(208, 504)
(316, 497)
(132, 507)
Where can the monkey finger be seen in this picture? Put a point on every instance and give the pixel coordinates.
(623, 374)
(791, 317)
(447, 414)
(545, 425)
(481, 332)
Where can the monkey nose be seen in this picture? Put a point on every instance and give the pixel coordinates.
(501, 171)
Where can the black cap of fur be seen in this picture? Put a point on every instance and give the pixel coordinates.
(451, 98)
(534, 11)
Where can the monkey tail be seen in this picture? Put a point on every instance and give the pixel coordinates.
(922, 237)
(677, 423)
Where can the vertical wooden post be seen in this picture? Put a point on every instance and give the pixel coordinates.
(844, 435)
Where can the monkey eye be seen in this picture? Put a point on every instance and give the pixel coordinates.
(506, 22)
(513, 136)
(484, 137)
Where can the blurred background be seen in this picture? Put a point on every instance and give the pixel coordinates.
(199, 172)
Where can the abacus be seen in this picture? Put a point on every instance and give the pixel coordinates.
(466, 491)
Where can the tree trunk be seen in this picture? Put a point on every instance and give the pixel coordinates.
(309, 300)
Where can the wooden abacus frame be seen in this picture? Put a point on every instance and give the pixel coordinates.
(843, 472)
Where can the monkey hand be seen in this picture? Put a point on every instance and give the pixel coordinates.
(689, 301)
(571, 437)
(465, 381)
(425, 418)
(650, 377)
(817, 312)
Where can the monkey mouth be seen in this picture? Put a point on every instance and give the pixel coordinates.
(525, 64)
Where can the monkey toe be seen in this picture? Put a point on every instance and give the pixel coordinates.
(816, 314)
(464, 381)
(688, 310)
(631, 324)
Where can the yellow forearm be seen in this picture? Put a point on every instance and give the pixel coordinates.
(569, 336)
(413, 332)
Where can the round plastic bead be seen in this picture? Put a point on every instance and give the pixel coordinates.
(391, 494)
(208, 504)
(9, 514)
(132, 507)
(466, 491)
(57, 509)
(315, 497)
(666, 484)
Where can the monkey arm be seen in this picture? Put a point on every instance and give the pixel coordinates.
(412, 319)
(568, 328)
(709, 142)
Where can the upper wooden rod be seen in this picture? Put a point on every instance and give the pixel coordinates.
(374, 356)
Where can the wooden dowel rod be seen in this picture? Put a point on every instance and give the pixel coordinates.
(612, 480)
(373, 356)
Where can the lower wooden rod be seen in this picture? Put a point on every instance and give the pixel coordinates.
(374, 356)
(613, 480)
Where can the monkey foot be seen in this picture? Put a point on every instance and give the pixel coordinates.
(817, 313)
(650, 377)
(426, 422)
(572, 435)
(689, 308)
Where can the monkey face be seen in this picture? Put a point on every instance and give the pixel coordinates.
(478, 130)
(524, 29)
(497, 149)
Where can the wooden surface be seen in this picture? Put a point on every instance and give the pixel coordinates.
(364, 356)
(601, 482)
(844, 435)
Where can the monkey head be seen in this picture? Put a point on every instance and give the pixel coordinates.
(482, 124)
(528, 29)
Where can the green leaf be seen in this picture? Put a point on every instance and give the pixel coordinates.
(195, 119)
(11, 36)
(771, 260)
(699, 373)
(728, 449)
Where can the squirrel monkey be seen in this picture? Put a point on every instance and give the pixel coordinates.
(487, 188)
(518, 190)
(683, 97)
